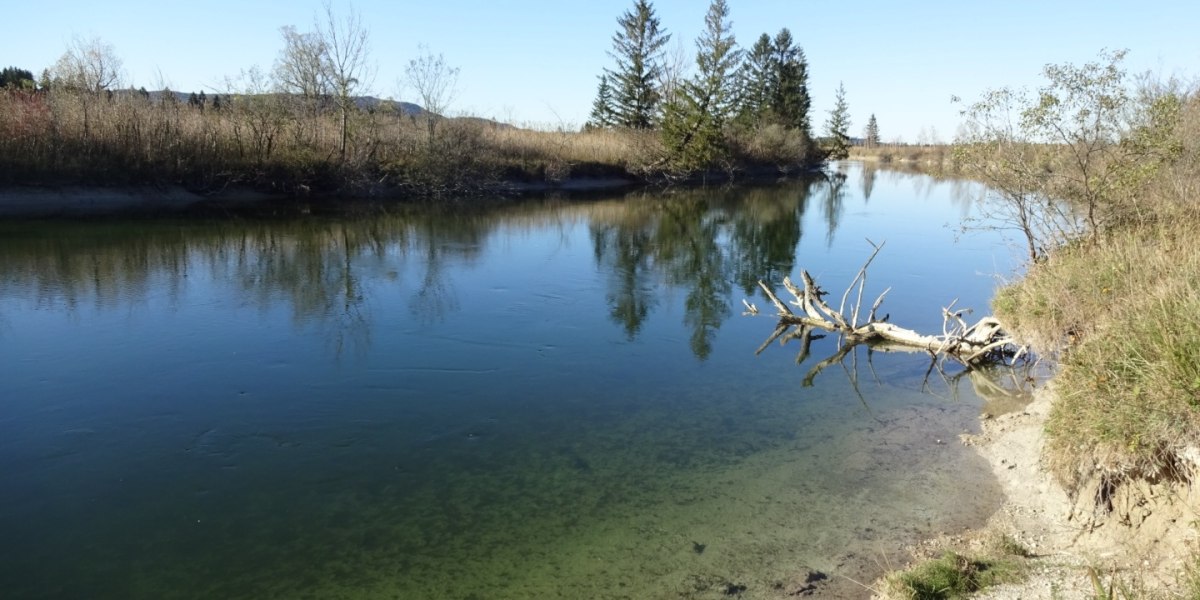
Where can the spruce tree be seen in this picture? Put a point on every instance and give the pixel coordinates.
(602, 109)
(837, 128)
(790, 101)
(775, 84)
(693, 127)
(871, 133)
(637, 48)
(757, 81)
(12, 77)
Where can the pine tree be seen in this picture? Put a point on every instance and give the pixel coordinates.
(757, 81)
(693, 127)
(871, 133)
(790, 101)
(12, 77)
(602, 109)
(775, 84)
(838, 126)
(637, 48)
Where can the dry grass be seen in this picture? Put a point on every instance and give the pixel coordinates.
(280, 144)
(1123, 307)
(632, 151)
(939, 155)
(65, 137)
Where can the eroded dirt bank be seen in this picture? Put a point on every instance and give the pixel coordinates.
(1141, 545)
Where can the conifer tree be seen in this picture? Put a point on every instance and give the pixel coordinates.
(837, 127)
(775, 84)
(693, 127)
(12, 77)
(871, 133)
(637, 48)
(790, 101)
(602, 109)
(757, 81)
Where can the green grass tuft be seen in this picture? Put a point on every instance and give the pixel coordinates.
(953, 576)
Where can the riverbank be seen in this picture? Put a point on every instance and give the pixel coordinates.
(1143, 548)
(98, 201)
(892, 156)
(73, 201)
(1099, 473)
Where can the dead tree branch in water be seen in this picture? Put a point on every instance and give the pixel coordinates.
(984, 343)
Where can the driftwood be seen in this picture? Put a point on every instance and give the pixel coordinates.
(982, 343)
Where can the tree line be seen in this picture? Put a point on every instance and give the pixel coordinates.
(735, 100)
(303, 121)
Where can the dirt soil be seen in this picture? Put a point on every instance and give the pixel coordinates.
(1139, 547)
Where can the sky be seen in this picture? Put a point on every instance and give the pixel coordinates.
(535, 62)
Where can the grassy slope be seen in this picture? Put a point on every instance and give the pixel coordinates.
(1125, 308)
(1122, 314)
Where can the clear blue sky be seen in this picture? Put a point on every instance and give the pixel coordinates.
(535, 61)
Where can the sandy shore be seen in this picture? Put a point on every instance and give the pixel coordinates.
(1141, 545)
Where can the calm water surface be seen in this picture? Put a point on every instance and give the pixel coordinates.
(546, 400)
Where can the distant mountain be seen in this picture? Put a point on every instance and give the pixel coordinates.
(367, 103)
(408, 109)
(489, 122)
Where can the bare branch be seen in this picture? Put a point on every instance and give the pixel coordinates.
(985, 341)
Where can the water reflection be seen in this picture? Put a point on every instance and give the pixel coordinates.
(700, 242)
(327, 270)
(867, 178)
(833, 204)
(500, 403)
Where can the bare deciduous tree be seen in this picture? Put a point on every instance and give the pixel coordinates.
(1065, 158)
(258, 116)
(88, 64)
(346, 61)
(300, 67)
(673, 72)
(435, 82)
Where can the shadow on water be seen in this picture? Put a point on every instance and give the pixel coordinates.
(528, 400)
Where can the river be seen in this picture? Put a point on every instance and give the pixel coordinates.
(539, 399)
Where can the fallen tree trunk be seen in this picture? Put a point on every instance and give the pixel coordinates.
(985, 342)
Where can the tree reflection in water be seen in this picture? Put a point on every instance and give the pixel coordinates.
(701, 241)
(867, 180)
(328, 269)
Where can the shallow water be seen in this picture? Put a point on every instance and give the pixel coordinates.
(545, 400)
